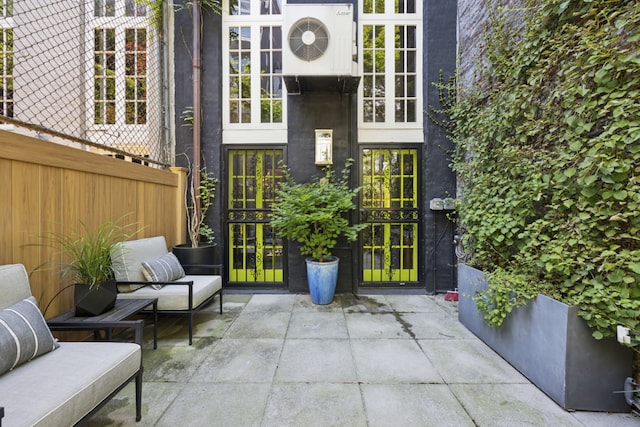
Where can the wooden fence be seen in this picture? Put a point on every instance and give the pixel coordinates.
(47, 187)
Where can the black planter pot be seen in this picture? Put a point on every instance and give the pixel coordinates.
(95, 300)
(196, 260)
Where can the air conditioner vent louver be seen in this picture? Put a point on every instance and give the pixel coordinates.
(308, 39)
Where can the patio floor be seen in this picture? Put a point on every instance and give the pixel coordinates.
(278, 360)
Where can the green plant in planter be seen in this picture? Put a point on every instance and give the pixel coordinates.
(87, 253)
(312, 213)
(197, 204)
(548, 160)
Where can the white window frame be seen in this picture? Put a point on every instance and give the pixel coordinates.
(120, 22)
(253, 132)
(391, 131)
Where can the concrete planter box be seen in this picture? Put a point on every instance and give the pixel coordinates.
(552, 346)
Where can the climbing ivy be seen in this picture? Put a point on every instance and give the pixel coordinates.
(548, 158)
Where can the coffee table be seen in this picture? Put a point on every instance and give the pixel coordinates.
(114, 318)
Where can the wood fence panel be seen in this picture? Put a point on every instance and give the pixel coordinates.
(46, 187)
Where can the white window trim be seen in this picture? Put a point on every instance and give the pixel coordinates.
(120, 22)
(254, 132)
(391, 131)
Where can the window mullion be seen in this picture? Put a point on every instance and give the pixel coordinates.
(120, 75)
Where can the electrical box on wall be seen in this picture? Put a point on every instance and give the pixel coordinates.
(446, 204)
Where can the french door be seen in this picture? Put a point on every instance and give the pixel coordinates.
(255, 252)
(389, 207)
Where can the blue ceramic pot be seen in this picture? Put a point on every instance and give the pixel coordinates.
(322, 278)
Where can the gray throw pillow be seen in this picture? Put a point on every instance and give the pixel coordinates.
(24, 334)
(167, 268)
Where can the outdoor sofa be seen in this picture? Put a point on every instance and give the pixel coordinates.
(48, 383)
(177, 292)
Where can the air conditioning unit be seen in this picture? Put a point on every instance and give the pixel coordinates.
(320, 40)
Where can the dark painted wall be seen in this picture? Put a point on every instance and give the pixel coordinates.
(336, 111)
(211, 104)
(307, 112)
(438, 180)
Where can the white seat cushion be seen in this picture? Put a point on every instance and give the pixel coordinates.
(61, 387)
(176, 297)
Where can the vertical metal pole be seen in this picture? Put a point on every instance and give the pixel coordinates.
(197, 106)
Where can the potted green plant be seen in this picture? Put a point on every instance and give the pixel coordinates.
(87, 264)
(201, 247)
(312, 214)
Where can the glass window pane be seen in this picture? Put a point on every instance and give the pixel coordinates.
(399, 111)
(411, 86)
(400, 87)
(277, 37)
(411, 37)
(411, 111)
(399, 60)
(277, 111)
(379, 111)
(411, 61)
(246, 112)
(380, 62)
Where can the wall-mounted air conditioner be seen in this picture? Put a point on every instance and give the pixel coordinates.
(320, 40)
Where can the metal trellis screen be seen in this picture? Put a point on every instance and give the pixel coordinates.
(87, 73)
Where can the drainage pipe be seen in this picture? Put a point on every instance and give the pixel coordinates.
(197, 105)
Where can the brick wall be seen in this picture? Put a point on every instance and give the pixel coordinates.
(472, 15)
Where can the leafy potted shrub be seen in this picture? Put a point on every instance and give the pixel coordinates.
(87, 264)
(313, 214)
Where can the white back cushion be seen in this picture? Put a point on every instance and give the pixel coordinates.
(127, 257)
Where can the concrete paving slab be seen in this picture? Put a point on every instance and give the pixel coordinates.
(316, 360)
(264, 303)
(434, 325)
(392, 361)
(213, 405)
(413, 304)
(379, 325)
(317, 325)
(212, 325)
(469, 361)
(365, 304)
(511, 405)
(413, 405)
(241, 360)
(604, 419)
(224, 380)
(303, 304)
(257, 324)
(175, 363)
(121, 410)
(314, 405)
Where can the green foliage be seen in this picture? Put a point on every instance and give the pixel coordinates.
(548, 158)
(313, 213)
(198, 204)
(87, 253)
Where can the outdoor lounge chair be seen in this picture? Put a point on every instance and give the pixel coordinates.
(177, 293)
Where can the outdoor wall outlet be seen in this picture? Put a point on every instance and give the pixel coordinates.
(624, 335)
